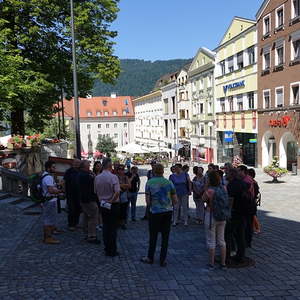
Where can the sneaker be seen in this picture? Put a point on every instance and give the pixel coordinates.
(211, 267)
(147, 260)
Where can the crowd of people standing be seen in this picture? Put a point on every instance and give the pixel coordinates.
(225, 201)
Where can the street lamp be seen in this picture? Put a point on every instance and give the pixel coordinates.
(75, 86)
(210, 125)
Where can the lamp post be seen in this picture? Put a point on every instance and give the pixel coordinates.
(75, 86)
(210, 125)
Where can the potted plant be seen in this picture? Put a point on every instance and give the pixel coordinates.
(274, 170)
(33, 140)
(16, 142)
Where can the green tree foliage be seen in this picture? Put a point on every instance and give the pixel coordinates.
(36, 60)
(106, 145)
(138, 77)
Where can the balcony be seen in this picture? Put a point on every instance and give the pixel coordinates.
(278, 68)
(279, 28)
(265, 72)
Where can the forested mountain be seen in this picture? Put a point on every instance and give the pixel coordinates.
(138, 77)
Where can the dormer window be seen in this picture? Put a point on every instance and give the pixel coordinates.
(106, 113)
(104, 102)
(89, 113)
(98, 113)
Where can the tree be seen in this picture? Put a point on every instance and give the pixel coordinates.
(106, 145)
(35, 51)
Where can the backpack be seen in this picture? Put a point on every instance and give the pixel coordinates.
(36, 189)
(220, 205)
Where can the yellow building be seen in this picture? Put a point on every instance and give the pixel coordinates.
(235, 92)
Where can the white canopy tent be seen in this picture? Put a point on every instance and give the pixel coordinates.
(160, 150)
(132, 149)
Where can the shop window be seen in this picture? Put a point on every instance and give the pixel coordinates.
(295, 94)
(267, 102)
(251, 100)
(230, 100)
(279, 97)
(279, 17)
(251, 55)
(240, 60)
(230, 64)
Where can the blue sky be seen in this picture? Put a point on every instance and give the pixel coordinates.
(167, 29)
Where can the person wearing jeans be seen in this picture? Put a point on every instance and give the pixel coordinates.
(183, 186)
(161, 197)
(135, 183)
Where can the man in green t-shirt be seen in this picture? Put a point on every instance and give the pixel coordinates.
(160, 197)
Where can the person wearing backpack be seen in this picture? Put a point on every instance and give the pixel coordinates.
(217, 212)
(50, 193)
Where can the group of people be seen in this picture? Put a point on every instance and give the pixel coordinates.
(103, 196)
(225, 201)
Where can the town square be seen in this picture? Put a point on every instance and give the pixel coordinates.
(149, 149)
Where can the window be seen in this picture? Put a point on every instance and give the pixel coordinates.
(104, 102)
(230, 100)
(182, 114)
(266, 61)
(173, 105)
(280, 55)
(240, 102)
(230, 64)
(202, 132)
(251, 100)
(99, 126)
(107, 126)
(106, 113)
(295, 94)
(201, 84)
(201, 108)
(115, 135)
(125, 125)
(98, 113)
(251, 55)
(88, 126)
(166, 104)
(222, 66)
(124, 112)
(209, 111)
(267, 102)
(296, 8)
(296, 49)
(279, 97)
(115, 113)
(115, 125)
(279, 17)
(222, 103)
(267, 25)
(89, 114)
(209, 81)
(240, 60)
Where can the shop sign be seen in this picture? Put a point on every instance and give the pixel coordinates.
(228, 136)
(253, 141)
(283, 122)
(233, 86)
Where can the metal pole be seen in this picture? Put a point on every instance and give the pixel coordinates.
(76, 100)
(63, 113)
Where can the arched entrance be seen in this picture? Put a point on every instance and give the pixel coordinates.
(288, 151)
(268, 145)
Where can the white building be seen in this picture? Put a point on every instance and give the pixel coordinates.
(104, 116)
(149, 120)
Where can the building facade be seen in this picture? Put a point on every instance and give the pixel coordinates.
(236, 93)
(104, 116)
(201, 86)
(149, 120)
(278, 29)
(184, 110)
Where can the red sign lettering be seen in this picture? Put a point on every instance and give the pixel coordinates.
(283, 122)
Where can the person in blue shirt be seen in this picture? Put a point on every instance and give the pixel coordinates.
(160, 197)
(183, 186)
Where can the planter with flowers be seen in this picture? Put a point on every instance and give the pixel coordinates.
(33, 140)
(16, 142)
(274, 170)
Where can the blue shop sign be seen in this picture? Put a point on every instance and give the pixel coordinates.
(228, 136)
(233, 86)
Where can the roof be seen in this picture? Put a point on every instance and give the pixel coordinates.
(166, 79)
(103, 107)
(261, 9)
(148, 96)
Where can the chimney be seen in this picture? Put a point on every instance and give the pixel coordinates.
(113, 95)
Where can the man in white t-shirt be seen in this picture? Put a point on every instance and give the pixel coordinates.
(50, 193)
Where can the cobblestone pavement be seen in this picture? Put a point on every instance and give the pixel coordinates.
(76, 270)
